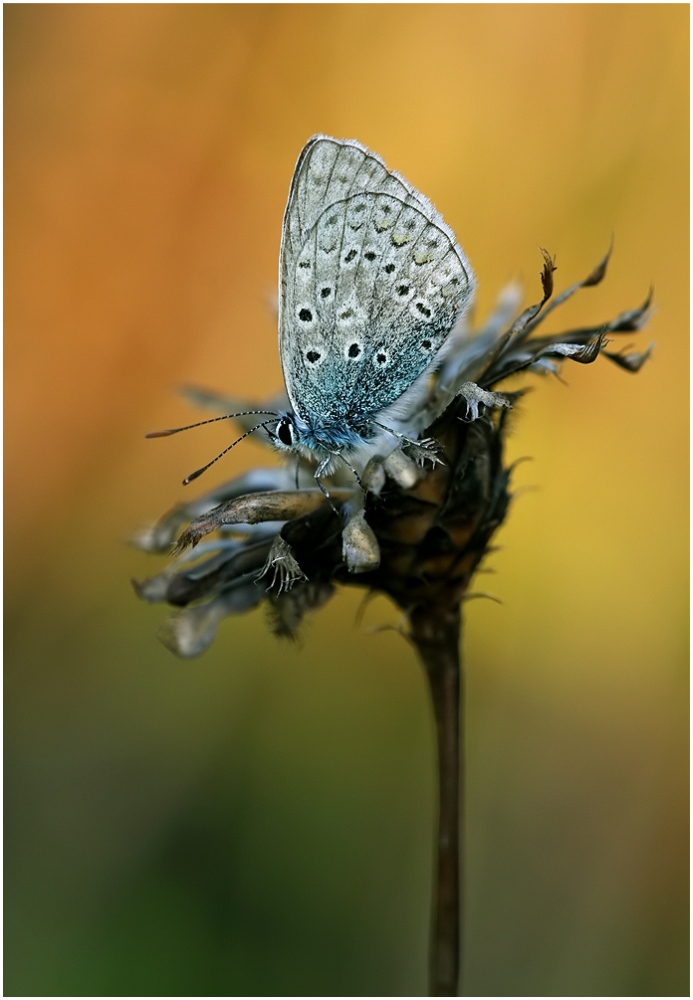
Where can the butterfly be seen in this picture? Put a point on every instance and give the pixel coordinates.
(371, 283)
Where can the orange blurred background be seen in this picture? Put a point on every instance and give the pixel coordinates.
(260, 821)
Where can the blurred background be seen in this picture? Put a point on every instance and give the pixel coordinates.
(260, 821)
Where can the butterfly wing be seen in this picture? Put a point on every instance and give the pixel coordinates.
(371, 283)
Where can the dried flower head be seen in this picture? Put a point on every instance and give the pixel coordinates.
(416, 525)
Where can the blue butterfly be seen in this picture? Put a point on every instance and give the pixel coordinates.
(371, 283)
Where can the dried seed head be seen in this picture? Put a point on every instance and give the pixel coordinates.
(427, 512)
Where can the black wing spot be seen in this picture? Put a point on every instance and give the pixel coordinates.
(304, 263)
(423, 309)
(332, 220)
(369, 255)
(347, 314)
(325, 292)
(403, 290)
(313, 356)
(426, 344)
(360, 208)
(389, 268)
(410, 224)
(349, 257)
(305, 315)
(354, 351)
(381, 357)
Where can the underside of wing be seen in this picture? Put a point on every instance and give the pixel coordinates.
(371, 282)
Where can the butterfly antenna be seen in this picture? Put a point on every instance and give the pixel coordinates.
(198, 472)
(212, 420)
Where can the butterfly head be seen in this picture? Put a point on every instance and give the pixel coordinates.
(317, 439)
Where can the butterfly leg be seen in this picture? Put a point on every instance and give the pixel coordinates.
(317, 476)
(425, 449)
(350, 467)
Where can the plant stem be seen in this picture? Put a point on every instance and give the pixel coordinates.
(436, 635)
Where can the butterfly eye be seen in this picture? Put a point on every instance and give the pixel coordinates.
(285, 432)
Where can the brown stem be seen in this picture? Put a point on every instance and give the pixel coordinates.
(436, 635)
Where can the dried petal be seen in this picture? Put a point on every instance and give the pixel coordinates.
(189, 633)
(402, 469)
(373, 476)
(360, 548)
(153, 589)
(161, 535)
(474, 396)
(631, 361)
(280, 505)
(547, 273)
(209, 577)
(593, 278)
(599, 272)
(585, 354)
(632, 319)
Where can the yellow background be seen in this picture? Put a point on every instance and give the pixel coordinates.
(260, 821)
